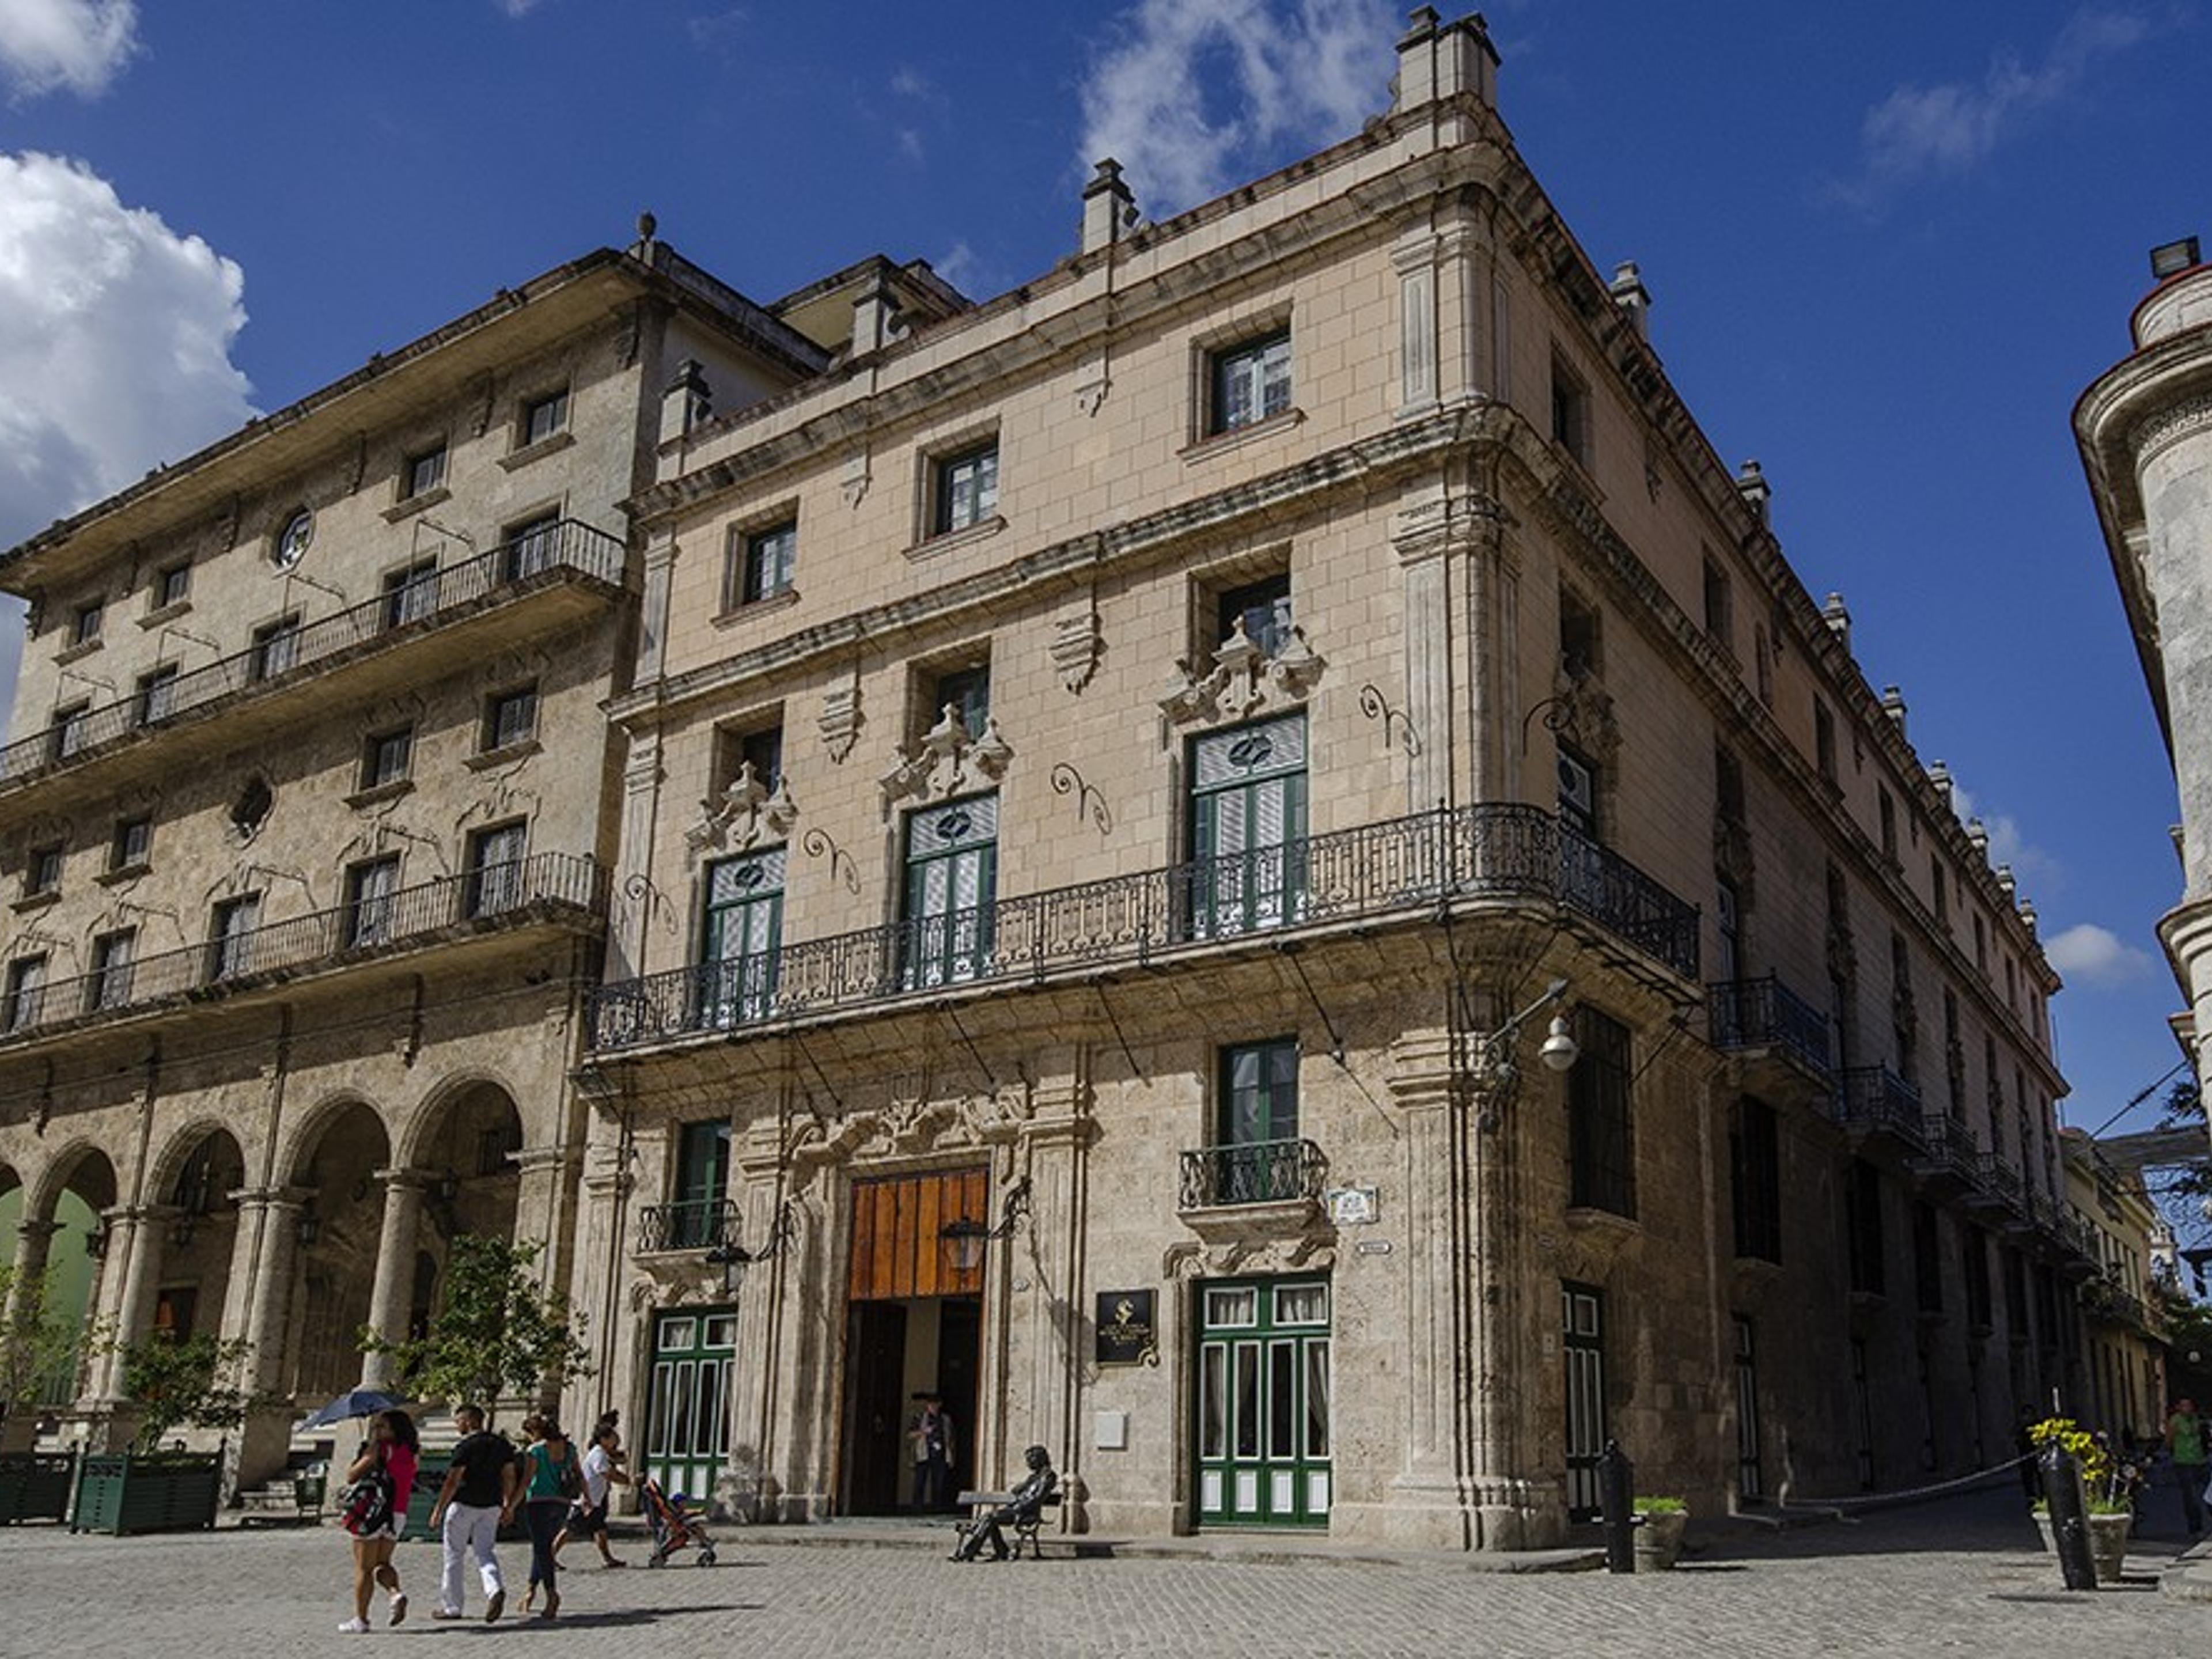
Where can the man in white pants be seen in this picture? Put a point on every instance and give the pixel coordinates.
(482, 1487)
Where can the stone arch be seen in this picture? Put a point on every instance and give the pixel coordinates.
(340, 1145)
(82, 1167)
(194, 1179)
(464, 1142)
(432, 1119)
(182, 1146)
(298, 1148)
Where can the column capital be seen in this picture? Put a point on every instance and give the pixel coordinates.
(401, 1178)
(30, 1227)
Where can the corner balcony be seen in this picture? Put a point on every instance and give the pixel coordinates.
(1873, 1103)
(1410, 868)
(557, 891)
(1779, 1038)
(1253, 1190)
(542, 581)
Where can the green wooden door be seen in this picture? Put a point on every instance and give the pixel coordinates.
(1262, 1412)
(952, 884)
(1248, 825)
(687, 1435)
(738, 938)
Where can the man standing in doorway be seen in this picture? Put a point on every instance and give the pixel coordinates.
(2184, 1444)
(480, 1484)
(929, 1439)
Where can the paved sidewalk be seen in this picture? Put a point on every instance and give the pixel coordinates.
(1964, 1577)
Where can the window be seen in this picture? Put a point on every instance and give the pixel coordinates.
(1824, 741)
(1862, 1226)
(1251, 382)
(495, 870)
(533, 547)
(132, 848)
(411, 593)
(276, 647)
(1720, 607)
(763, 751)
(84, 629)
(1248, 825)
(967, 693)
(738, 936)
(1578, 637)
(1886, 808)
(43, 873)
(702, 1180)
(1264, 608)
(1256, 1149)
(71, 728)
(1728, 928)
(1727, 787)
(424, 472)
(966, 488)
(387, 757)
(368, 908)
(230, 938)
(1570, 413)
(952, 887)
(1762, 654)
(1578, 792)
(1981, 943)
(1755, 1180)
(157, 694)
(543, 416)
(1927, 1259)
(1601, 1138)
(112, 957)
(1935, 888)
(172, 585)
(510, 717)
(760, 564)
(27, 992)
(2011, 985)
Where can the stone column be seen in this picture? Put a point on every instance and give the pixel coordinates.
(34, 1245)
(148, 1239)
(394, 1286)
(261, 1276)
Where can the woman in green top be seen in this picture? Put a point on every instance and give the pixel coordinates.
(550, 1481)
(2184, 1444)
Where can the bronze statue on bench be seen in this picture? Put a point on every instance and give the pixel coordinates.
(1021, 1511)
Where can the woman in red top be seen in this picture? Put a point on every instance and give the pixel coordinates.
(392, 1449)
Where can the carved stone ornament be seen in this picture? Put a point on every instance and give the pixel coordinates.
(1075, 646)
(1244, 679)
(910, 1126)
(1587, 713)
(1188, 1258)
(748, 814)
(840, 724)
(947, 762)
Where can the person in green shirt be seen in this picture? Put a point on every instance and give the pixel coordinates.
(2184, 1444)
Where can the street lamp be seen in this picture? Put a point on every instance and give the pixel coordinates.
(734, 1258)
(963, 1240)
(1559, 1050)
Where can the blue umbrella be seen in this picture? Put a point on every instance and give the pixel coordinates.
(358, 1402)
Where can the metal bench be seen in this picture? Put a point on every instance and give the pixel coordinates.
(1025, 1530)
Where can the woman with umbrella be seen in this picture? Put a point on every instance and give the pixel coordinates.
(383, 1478)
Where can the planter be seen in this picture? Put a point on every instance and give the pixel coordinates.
(123, 1493)
(35, 1485)
(1659, 1540)
(2108, 1545)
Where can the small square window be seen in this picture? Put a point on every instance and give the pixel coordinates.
(132, 847)
(761, 565)
(966, 488)
(1264, 607)
(411, 593)
(1251, 382)
(85, 628)
(967, 692)
(43, 873)
(172, 585)
(276, 647)
(387, 757)
(510, 717)
(425, 473)
(543, 416)
(157, 694)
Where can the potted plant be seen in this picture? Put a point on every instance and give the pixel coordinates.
(175, 1384)
(1660, 1523)
(2104, 1491)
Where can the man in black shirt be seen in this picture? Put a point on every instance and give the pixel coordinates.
(482, 1486)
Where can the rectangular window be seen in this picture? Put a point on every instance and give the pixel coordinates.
(966, 488)
(172, 585)
(43, 873)
(1727, 787)
(112, 957)
(230, 936)
(543, 416)
(531, 547)
(1257, 1153)
(763, 750)
(1927, 1258)
(1728, 928)
(760, 564)
(72, 727)
(425, 473)
(510, 717)
(276, 647)
(1719, 608)
(369, 909)
(157, 694)
(85, 628)
(411, 593)
(1862, 1227)
(1264, 608)
(132, 847)
(387, 757)
(1981, 943)
(1887, 809)
(951, 891)
(1251, 382)
(1600, 1135)
(27, 992)
(1755, 1169)
(1579, 643)
(1578, 792)
(1824, 741)
(1935, 888)
(701, 1187)
(1570, 413)
(1247, 826)
(967, 693)
(739, 935)
(495, 870)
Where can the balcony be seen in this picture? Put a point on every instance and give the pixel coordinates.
(702, 1224)
(546, 887)
(1947, 1157)
(563, 555)
(1406, 866)
(1255, 1190)
(1872, 1101)
(1996, 1188)
(1756, 1018)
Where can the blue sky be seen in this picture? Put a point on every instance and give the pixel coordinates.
(1887, 247)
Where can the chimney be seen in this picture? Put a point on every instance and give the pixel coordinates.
(1438, 60)
(1632, 297)
(1892, 704)
(1939, 776)
(1751, 483)
(1109, 208)
(1838, 618)
(687, 402)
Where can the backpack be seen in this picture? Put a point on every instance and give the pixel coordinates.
(367, 1504)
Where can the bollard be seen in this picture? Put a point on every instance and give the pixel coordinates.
(2070, 1515)
(1616, 1485)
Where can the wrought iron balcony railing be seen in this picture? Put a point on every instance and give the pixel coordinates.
(1999, 1178)
(1765, 1014)
(281, 657)
(1949, 1147)
(1256, 1172)
(1406, 865)
(699, 1224)
(1875, 1097)
(493, 895)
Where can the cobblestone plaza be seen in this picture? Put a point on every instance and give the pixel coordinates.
(1960, 1577)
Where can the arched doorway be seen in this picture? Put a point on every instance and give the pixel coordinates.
(68, 1259)
(340, 1228)
(196, 1188)
(473, 1185)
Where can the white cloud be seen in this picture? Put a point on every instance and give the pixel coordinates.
(78, 44)
(959, 266)
(2096, 956)
(1196, 94)
(2008, 843)
(518, 7)
(1951, 129)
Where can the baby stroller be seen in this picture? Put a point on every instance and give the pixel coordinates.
(674, 1525)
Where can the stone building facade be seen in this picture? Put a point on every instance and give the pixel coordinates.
(1112, 779)
(304, 830)
(2124, 1335)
